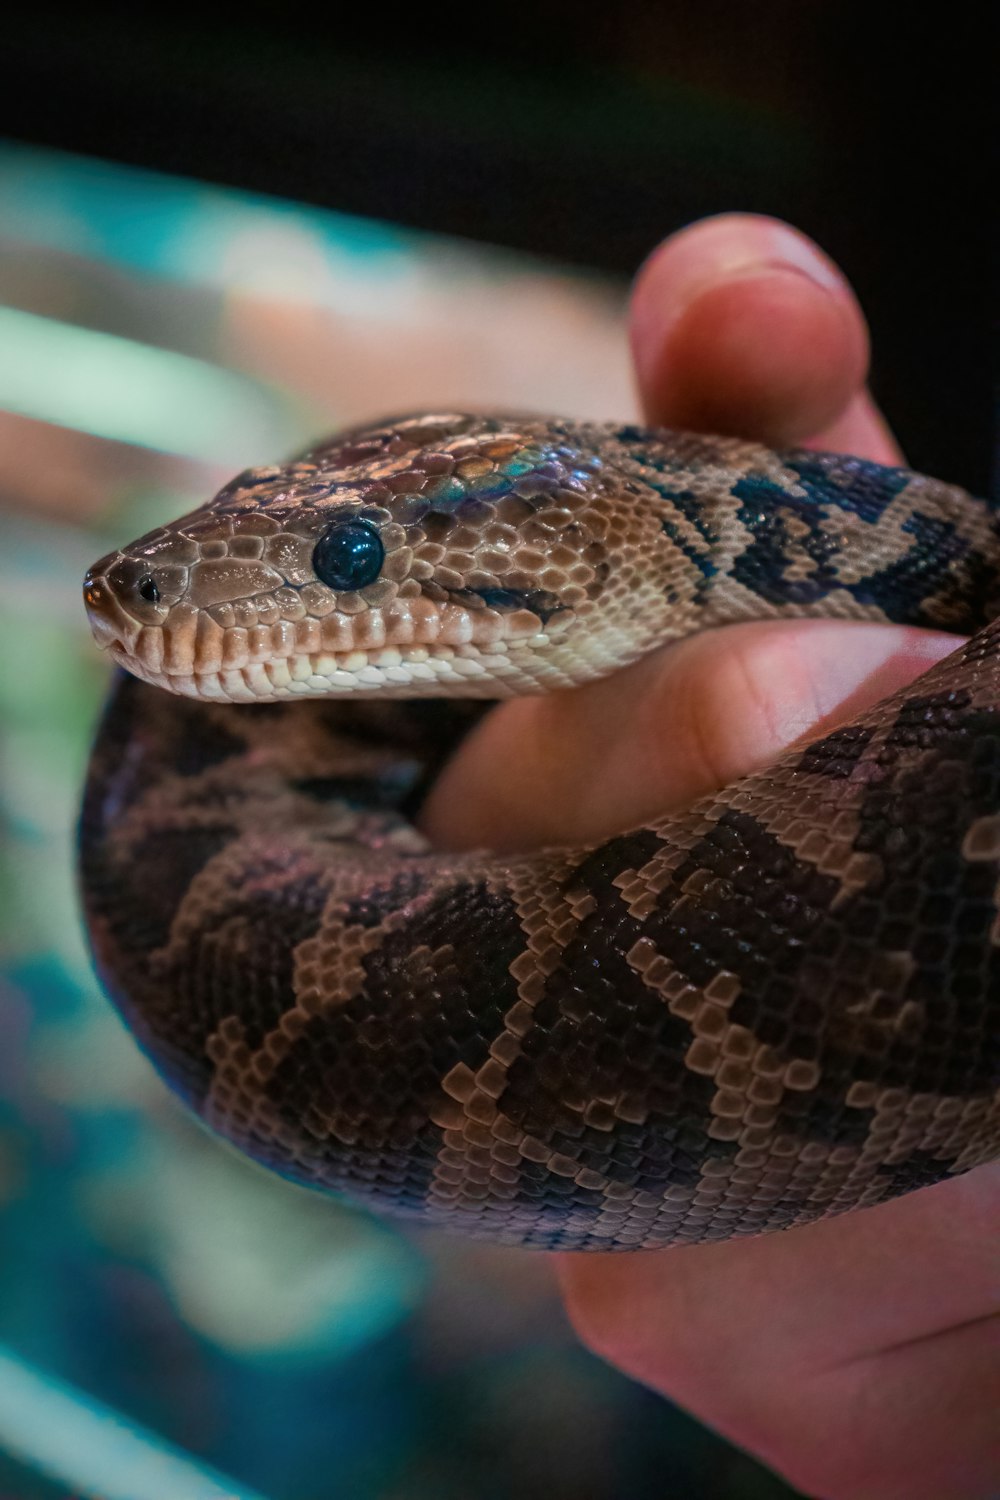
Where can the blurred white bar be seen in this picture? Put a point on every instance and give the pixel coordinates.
(59, 1432)
(136, 393)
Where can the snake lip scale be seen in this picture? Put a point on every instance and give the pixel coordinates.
(779, 1004)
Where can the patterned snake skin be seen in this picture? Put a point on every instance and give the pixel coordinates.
(781, 1004)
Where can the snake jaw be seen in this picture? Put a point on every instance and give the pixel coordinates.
(498, 669)
(409, 647)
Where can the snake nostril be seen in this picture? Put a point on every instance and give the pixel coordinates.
(94, 591)
(96, 596)
(103, 614)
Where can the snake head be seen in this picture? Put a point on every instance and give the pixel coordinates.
(446, 554)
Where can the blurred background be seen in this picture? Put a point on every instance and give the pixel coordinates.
(219, 240)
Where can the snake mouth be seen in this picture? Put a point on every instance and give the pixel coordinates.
(418, 646)
(410, 671)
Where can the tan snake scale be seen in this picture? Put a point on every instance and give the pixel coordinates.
(780, 1004)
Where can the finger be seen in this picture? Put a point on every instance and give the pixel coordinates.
(831, 1293)
(741, 325)
(810, 1348)
(581, 765)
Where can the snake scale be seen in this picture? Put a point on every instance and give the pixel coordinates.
(780, 1004)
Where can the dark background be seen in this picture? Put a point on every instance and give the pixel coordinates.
(587, 135)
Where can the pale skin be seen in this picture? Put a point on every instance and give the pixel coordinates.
(860, 1356)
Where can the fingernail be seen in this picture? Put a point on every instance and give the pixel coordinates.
(726, 248)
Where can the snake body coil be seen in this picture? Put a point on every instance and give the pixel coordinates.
(781, 1004)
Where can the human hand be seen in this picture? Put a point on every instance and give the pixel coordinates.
(859, 1356)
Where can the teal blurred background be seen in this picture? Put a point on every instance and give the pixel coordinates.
(167, 1309)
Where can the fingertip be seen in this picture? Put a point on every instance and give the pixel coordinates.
(742, 325)
(766, 356)
(861, 429)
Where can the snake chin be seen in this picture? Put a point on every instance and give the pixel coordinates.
(415, 671)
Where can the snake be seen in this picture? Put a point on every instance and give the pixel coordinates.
(778, 1004)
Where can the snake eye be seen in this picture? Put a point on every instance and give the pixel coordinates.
(147, 589)
(348, 555)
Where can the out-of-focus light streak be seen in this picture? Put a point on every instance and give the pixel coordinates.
(59, 1432)
(189, 232)
(116, 388)
(234, 241)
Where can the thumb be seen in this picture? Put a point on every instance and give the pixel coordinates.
(741, 325)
